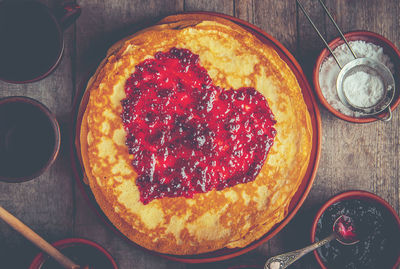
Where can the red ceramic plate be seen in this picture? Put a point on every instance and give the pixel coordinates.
(297, 200)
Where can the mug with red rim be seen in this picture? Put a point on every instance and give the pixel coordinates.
(29, 139)
(81, 251)
(31, 37)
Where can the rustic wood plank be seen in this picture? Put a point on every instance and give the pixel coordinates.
(40, 203)
(304, 43)
(277, 18)
(309, 44)
(244, 9)
(222, 6)
(102, 23)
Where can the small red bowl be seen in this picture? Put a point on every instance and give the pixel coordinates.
(350, 195)
(388, 48)
(41, 258)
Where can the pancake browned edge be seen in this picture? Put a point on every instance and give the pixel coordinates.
(233, 217)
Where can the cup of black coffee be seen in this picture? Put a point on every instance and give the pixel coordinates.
(31, 38)
(29, 139)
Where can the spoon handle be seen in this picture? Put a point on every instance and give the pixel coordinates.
(29, 234)
(284, 260)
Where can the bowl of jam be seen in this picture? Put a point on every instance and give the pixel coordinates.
(377, 225)
(87, 254)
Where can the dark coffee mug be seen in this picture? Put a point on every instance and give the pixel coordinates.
(31, 37)
(29, 139)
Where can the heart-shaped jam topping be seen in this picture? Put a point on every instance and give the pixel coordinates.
(188, 135)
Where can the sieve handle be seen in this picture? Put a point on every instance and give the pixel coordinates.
(337, 28)
(388, 116)
(320, 35)
(318, 32)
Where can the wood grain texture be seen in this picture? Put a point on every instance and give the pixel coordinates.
(222, 6)
(308, 42)
(103, 23)
(277, 18)
(353, 156)
(244, 9)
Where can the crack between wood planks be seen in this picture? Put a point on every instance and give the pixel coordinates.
(74, 93)
(252, 12)
(297, 31)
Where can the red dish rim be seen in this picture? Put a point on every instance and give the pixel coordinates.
(394, 53)
(40, 258)
(346, 196)
(298, 198)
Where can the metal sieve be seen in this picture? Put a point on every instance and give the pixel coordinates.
(374, 68)
(366, 65)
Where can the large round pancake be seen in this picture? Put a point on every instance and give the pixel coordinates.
(233, 217)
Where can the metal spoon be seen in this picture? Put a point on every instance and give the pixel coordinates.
(343, 232)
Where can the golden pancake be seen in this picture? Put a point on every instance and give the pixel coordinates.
(208, 221)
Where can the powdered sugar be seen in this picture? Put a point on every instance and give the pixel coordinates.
(330, 70)
(363, 89)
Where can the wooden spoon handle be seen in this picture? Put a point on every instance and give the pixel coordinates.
(29, 234)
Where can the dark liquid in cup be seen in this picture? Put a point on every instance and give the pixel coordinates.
(27, 140)
(30, 42)
(83, 255)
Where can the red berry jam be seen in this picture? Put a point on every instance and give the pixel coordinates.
(189, 136)
(345, 230)
(377, 231)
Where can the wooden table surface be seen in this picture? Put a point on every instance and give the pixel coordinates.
(364, 157)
